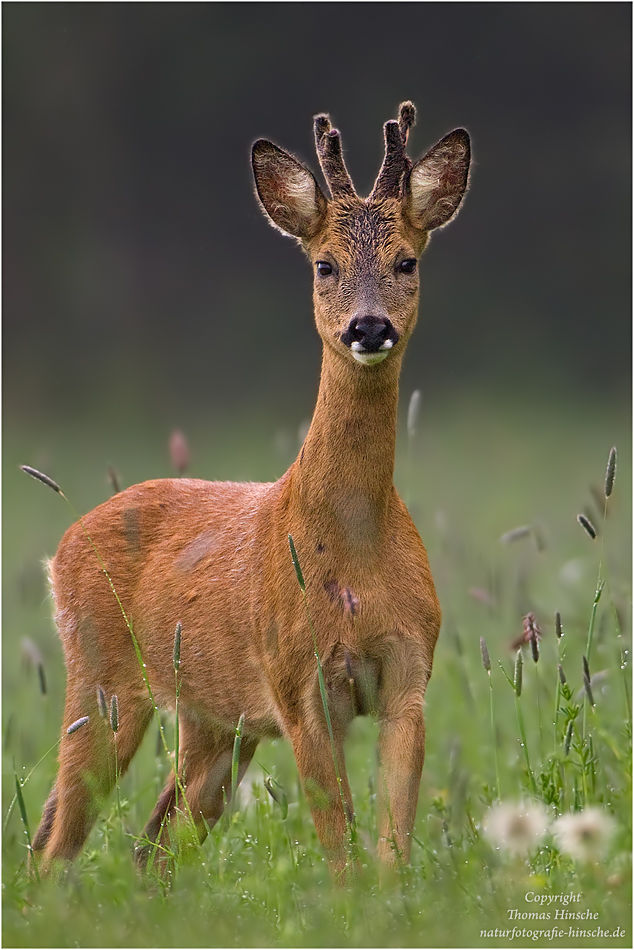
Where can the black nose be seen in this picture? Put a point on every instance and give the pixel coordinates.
(370, 332)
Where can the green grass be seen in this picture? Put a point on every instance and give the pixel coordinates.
(474, 472)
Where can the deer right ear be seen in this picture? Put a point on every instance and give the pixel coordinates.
(288, 191)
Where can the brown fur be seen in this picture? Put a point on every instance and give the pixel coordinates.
(215, 556)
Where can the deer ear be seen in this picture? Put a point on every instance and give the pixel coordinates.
(288, 191)
(438, 182)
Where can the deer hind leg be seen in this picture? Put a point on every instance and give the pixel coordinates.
(205, 769)
(88, 766)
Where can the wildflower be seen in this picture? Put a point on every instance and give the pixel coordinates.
(586, 835)
(516, 827)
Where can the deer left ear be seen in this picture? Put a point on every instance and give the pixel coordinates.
(438, 182)
(288, 191)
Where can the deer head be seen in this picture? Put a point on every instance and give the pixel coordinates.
(364, 252)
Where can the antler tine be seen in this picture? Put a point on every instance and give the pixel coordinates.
(406, 118)
(388, 181)
(328, 145)
(396, 162)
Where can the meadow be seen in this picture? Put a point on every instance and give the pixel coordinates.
(495, 488)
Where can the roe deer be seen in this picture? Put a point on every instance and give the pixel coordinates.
(215, 556)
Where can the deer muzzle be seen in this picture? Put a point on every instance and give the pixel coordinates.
(370, 338)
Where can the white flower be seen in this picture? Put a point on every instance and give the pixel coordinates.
(516, 827)
(584, 835)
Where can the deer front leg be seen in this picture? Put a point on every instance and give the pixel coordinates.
(404, 676)
(401, 756)
(327, 792)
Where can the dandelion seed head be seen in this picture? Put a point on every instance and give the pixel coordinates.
(517, 828)
(586, 835)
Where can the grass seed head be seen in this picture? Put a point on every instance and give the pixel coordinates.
(610, 473)
(41, 477)
(177, 646)
(586, 681)
(568, 737)
(77, 725)
(585, 835)
(516, 534)
(517, 676)
(587, 526)
(534, 649)
(558, 627)
(486, 660)
(102, 705)
(412, 413)
(586, 668)
(114, 714)
(532, 634)
(42, 678)
(114, 480)
(562, 675)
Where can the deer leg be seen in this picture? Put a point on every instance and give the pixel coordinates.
(322, 770)
(89, 760)
(205, 772)
(401, 756)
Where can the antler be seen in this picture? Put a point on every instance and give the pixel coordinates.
(396, 162)
(328, 145)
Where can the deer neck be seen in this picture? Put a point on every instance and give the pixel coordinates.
(342, 481)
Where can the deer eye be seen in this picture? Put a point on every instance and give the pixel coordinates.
(408, 266)
(324, 269)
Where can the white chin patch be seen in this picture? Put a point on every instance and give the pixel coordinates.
(369, 359)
